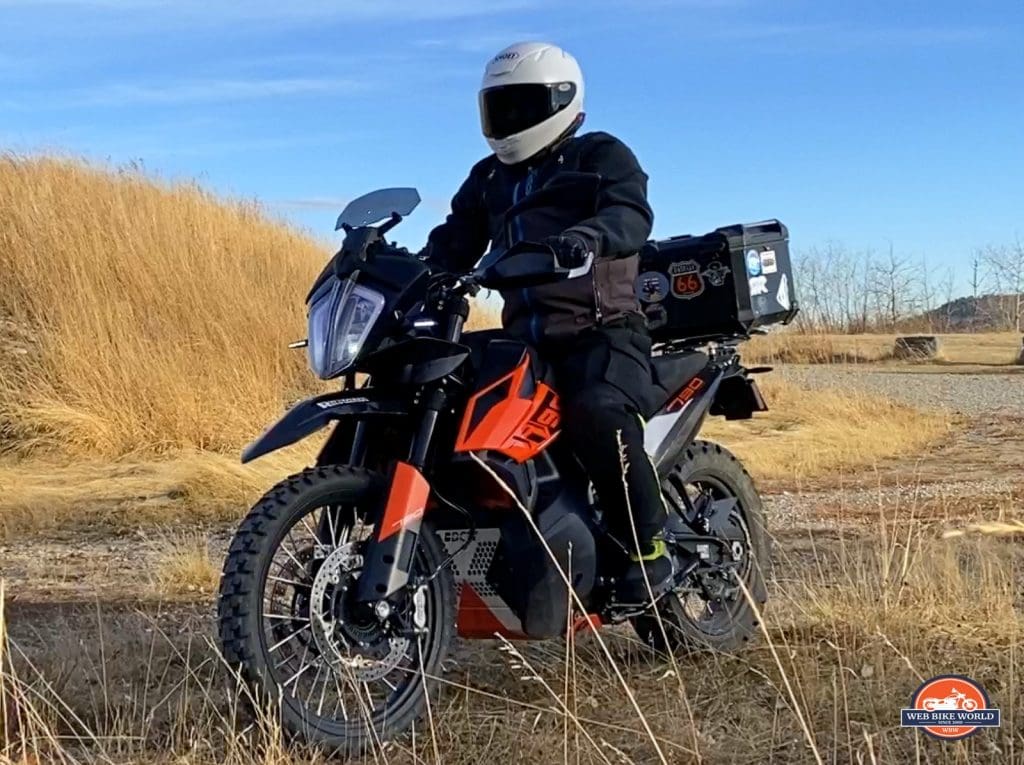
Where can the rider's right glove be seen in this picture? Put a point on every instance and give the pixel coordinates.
(570, 249)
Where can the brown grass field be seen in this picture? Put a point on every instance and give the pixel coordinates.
(142, 342)
(968, 352)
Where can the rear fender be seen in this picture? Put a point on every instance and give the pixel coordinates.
(312, 414)
(738, 398)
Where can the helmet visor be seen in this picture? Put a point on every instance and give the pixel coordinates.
(511, 109)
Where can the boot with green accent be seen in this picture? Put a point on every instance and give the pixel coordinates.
(650, 573)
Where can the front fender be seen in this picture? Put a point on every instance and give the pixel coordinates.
(314, 413)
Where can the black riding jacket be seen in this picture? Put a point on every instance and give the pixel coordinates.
(591, 186)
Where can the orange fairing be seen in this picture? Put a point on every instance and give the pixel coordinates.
(407, 500)
(512, 425)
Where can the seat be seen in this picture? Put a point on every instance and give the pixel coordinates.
(672, 371)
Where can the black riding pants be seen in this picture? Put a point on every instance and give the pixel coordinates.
(604, 383)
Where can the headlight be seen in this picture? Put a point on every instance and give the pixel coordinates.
(341, 315)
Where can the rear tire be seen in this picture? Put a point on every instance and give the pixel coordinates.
(283, 513)
(713, 467)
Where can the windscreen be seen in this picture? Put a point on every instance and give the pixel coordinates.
(377, 206)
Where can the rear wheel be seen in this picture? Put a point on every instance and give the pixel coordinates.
(335, 671)
(710, 610)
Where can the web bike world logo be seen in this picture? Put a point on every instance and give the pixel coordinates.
(950, 707)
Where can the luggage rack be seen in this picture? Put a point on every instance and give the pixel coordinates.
(687, 344)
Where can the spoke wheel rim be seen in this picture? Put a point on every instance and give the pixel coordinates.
(716, 616)
(330, 686)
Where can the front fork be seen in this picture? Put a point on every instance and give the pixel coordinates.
(391, 551)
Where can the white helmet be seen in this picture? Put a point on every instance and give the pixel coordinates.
(531, 95)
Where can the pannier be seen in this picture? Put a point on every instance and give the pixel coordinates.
(723, 284)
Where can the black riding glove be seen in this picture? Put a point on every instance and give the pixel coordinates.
(570, 249)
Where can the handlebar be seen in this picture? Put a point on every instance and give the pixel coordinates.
(526, 264)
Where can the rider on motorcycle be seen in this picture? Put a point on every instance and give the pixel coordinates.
(589, 199)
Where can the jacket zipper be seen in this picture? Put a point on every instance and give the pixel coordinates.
(534, 319)
(597, 293)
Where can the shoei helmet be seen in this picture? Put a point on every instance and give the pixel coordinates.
(531, 95)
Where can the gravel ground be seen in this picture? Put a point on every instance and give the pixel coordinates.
(830, 507)
(968, 394)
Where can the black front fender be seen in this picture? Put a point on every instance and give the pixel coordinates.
(312, 414)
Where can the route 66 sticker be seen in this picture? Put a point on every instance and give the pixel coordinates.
(687, 281)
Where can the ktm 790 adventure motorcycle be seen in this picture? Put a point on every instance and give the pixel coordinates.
(443, 498)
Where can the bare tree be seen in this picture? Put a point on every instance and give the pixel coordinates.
(832, 283)
(843, 290)
(947, 287)
(1005, 266)
(976, 277)
(893, 279)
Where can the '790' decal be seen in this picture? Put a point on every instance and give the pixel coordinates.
(686, 395)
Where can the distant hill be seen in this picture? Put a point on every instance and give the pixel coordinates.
(985, 313)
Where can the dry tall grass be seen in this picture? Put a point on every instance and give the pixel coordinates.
(160, 315)
(186, 566)
(811, 432)
(854, 624)
(42, 494)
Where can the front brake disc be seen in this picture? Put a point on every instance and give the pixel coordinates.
(328, 630)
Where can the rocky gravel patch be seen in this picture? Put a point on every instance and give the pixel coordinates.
(967, 394)
(838, 504)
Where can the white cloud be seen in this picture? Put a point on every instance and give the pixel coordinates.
(312, 203)
(208, 13)
(923, 36)
(197, 91)
(479, 43)
(836, 37)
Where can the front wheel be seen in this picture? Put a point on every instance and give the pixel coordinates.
(710, 609)
(336, 672)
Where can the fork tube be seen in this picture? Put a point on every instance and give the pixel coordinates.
(358, 454)
(454, 332)
(421, 444)
(456, 320)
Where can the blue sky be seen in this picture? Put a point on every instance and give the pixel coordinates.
(862, 122)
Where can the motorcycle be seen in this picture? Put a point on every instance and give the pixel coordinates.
(955, 700)
(444, 502)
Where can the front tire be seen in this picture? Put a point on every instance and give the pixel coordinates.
(727, 623)
(370, 683)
